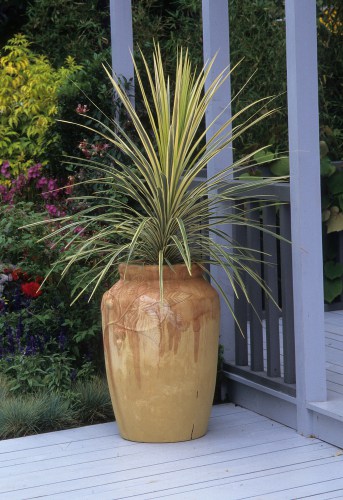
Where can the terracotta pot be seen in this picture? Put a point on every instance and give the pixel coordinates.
(161, 358)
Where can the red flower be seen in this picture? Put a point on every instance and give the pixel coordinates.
(16, 274)
(30, 289)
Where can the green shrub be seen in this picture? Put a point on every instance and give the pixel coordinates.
(62, 28)
(28, 103)
(4, 386)
(39, 331)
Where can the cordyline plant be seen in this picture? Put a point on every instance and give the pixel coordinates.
(178, 219)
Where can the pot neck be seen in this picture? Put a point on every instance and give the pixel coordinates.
(134, 272)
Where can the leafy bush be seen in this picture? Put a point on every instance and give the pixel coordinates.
(83, 27)
(28, 103)
(43, 341)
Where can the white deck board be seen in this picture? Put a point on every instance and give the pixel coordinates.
(244, 455)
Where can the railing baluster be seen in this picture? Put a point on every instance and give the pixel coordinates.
(241, 310)
(271, 280)
(340, 254)
(258, 352)
(255, 293)
(287, 295)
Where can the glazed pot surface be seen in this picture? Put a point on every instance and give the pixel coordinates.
(161, 357)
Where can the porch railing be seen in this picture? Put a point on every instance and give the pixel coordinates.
(265, 352)
(337, 304)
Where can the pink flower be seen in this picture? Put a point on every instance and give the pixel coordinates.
(82, 108)
(100, 149)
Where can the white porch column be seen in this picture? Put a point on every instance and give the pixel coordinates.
(122, 40)
(215, 19)
(305, 206)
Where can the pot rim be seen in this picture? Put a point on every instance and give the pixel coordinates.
(149, 272)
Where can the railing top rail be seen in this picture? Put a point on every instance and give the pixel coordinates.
(279, 191)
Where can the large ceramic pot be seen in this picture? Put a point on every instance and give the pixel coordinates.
(161, 358)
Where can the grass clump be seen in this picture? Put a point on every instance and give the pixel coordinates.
(87, 403)
(91, 402)
(25, 415)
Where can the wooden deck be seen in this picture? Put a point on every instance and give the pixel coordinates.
(243, 456)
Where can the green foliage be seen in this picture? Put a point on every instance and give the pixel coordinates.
(91, 402)
(22, 416)
(332, 289)
(46, 342)
(167, 156)
(63, 28)
(332, 192)
(28, 103)
(333, 270)
(257, 35)
(45, 410)
(54, 371)
(333, 280)
(173, 24)
(5, 386)
(330, 57)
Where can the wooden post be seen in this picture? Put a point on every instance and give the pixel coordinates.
(305, 207)
(122, 41)
(215, 19)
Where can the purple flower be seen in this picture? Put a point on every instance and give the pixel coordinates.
(19, 182)
(34, 171)
(5, 170)
(52, 187)
(54, 211)
(42, 182)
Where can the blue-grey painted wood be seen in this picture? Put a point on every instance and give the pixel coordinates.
(302, 91)
(247, 388)
(255, 292)
(287, 295)
(340, 256)
(271, 279)
(241, 309)
(215, 22)
(122, 41)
